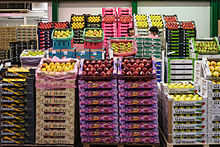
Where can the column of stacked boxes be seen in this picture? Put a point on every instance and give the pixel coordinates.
(17, 106)
(44, 32)
(138, 108)
(125, 21)
(109, 24)
(55, 101)
(184, 114)
(98, 101)
(8, 34)
(210, 87)
(78, 23)
(26, 33)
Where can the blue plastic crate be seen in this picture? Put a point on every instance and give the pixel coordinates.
(158, 63)
(82, 55)
(54, 53)
(68, 53)
(158, 76)
(62, 44)
(96, 55)
(158, 72)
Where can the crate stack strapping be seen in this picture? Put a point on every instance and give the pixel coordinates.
(44, 32)
(16, 48)
(109, 24)
(180, 70)
(26, 33)
(183, 120)
(17, 106)
(78, 23)
(98, 104)
(209, 88)
(125, 21)
(141, 24)
(55, 102)
(138, 108)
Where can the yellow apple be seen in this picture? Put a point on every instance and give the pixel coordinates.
(215, 74)
(43, 69)
(51, 64)
(212, 69)
(47, 67)
(213, 63)
(57, 64)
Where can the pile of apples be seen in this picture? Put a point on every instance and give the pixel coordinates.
(214, 68)
(186, 97)
(57, 66)
(125, 19)
(109, 19)
(33, 53)
(140, 17)
(93, 33)
(180, 86)
(136, 67)
(172, 25)
(156, 20)
(77, 18)
(122, 47)
(187, 25)
(206, 46)
(94, 19)
(47, 25)
(170, 18)
(78, 25)
(142, 24)
(62, 33)
(98, 67)
(61, 25)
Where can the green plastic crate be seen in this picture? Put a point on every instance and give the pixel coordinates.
(93, 39)
(63, 39)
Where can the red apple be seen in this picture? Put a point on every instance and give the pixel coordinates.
(93, 70)
(87, 69)
(132, 61)
(90, 73)
(123, 72)
(84, 66)
(128, 65)
(102, 66)
(138, 69)
(138, 61)
(106, 69)
(150, 69)
(108, 73)
(99, 62)
(96, 73)
(132, 69)
(86, 62)
(111, 69)
(123, 65)
(135, 65)
(109, 65)
(84, 72)
(105, 62)
(129, 73)
(141, 73)
(102, 73)
(96, 66)
(111, 62)
(148, 65)
(147, 73)
(144, 69)
(126, 69)
(126, 61)
(93, 62)
(90, 66)
(141, 65)
(144, 61)
(99, 69)
(136, 73)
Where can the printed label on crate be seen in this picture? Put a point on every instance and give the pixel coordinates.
(139, 110)
(54, 117)
(214, 140)
(138, 102)
(98, 110)
(56, 125)
(188, 141)
(104, 125)
(189, 119)
(98, 102)
(139, 117)
(144, 133)
(146, 140)
(188, 103)
(58, 109)
(94, 133)
(96, 117)
(53, 133)
(137, 94)
(214, 125)
(189, 134)
(215, 94)
(188, 126)
(188, 111)
(138, 126)
(100, 139)
(97, 84)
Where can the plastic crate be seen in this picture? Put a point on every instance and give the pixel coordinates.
(109, 19)
(83, 54)
(62, 44)
(127, 25)
(105, 25)
(93, 39)
(61, 25)
(68, 53)
(192, 27)
(78, 18)
(125, 11)
(54, 53)
(45, 25)
(93, 45)
(98, 17)
(96, 54)
(109, 11)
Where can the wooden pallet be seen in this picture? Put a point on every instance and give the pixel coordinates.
(14, 10)
(119, 145)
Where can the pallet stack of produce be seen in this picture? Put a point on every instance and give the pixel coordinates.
(78, 23)
(8, 34)
(17, 106)
(55, 101)
(93, 21)
(204, 46)
(16, 48)
(180, 70)
(138, 109)
(26, 33)
(210, 87)
(125, 21)
(184, 114)
(109, 23)
(98, 101)
(44, 32)
(141, 24)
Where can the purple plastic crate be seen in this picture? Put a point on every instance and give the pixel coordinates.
(99, 93)
(97, 84)
(142, 102)
(98, 109)
(135, 126)
(122, 98)
(139, 110)
(100, 139)
(98, 102)
(102, 117)
(139, 133)
(99, 125)
(84, 98)
(142, 93)
(99, 133)
(140, 140)
(154, 89)
(134, 118)
(137, 84)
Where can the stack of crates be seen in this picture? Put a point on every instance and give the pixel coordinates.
(17, 106)
(78, 23)
(141, 24)
(125, 13)
(26, 33)
(180, 70)
(8, 34)
(184, 115)
(98, 106)
(152, 47)
(138, 109)
(4, 54)
(55, 102)
(44, 33)
(109, 23)
(16, 48)
(140, 46)
(93, 21)
(159, 70)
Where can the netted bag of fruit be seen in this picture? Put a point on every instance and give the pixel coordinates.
(58, 69)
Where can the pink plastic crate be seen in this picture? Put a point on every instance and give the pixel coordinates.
(109, 25)
(122, 34)
(120, 25)
(125, 11)
(122, 30)
(109, 35)
(93, 45)
(109, 11)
